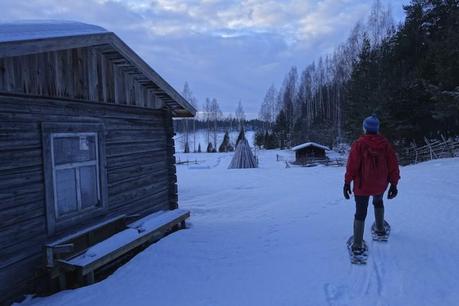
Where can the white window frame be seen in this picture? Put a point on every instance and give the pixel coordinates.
(50, 131)
(76, 166)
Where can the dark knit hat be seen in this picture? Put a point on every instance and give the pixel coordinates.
(371, 124)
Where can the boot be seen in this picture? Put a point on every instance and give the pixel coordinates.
(379, 221)
(359, 227)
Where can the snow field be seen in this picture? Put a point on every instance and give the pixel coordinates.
(276, 236)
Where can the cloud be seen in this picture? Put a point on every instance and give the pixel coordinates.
(229, 49)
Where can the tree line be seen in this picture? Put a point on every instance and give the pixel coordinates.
(408, 75)
(211, 121)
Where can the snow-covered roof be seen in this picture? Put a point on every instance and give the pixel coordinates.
(40, 29)
(310, 144)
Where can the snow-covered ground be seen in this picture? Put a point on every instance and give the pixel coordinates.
(276, 236)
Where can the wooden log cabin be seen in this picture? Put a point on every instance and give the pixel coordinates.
(86, 148)
(309, 152)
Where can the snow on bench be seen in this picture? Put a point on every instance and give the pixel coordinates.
(156, 220)
(149, 228)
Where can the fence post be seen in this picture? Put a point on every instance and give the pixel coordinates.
(430, 147)
(413, 144)
(448, 146)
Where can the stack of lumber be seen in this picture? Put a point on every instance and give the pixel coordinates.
(243, 156)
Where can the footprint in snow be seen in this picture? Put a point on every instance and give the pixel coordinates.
(335, 296)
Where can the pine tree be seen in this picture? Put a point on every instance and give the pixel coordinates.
(241, 135)
(280, 129)
(225, 145)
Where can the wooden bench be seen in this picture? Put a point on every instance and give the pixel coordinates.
(146, 230)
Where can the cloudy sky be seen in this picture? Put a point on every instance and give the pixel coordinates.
(227, 49)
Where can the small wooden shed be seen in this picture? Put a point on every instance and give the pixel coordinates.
(86, 146)
(309, 152)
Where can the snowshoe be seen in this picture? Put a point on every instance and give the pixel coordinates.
(358, 257)
(380, 236)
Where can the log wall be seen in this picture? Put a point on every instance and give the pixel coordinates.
(139, 162)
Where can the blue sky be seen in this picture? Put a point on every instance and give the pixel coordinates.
(230, 50)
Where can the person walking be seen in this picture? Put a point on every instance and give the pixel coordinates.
(372, 165)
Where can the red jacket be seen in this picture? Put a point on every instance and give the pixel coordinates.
(372, 165)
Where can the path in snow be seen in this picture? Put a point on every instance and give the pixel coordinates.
(276, 236)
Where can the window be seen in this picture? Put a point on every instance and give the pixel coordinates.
(74, 172)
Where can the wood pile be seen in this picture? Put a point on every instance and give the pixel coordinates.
(243, 156)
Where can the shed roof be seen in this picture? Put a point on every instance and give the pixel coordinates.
(29, 37)
(310, 144)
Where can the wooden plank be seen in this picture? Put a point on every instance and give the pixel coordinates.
(133, 124)
(11, 179)
(14, 126)
(145, 205)
(8, 142)
(58, 73)
(22, 212)
(127, 134)
(21, 250)
(17, 66)
(41, 77)
(76, 74)
(130, 189)
(31, 106)
(83, 61)
(131, 91)
(3, 85)
(146, 194)
(124, 149)
(92, 75)
(50, 77)
(61, 74)
(22, 231)
(21, 196)
(101, 82)
(69, 237)
(9, 74)
(116, 175)
(109, 81)
(127, 160)
(68, 74)
(18, 158)
(133, 182)
(117, 85)
(153, 141)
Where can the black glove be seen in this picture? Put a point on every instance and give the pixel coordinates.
(347, 191)
(392, 192)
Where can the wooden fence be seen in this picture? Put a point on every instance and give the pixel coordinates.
(433, 149)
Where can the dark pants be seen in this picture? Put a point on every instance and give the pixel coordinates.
(361, 205)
